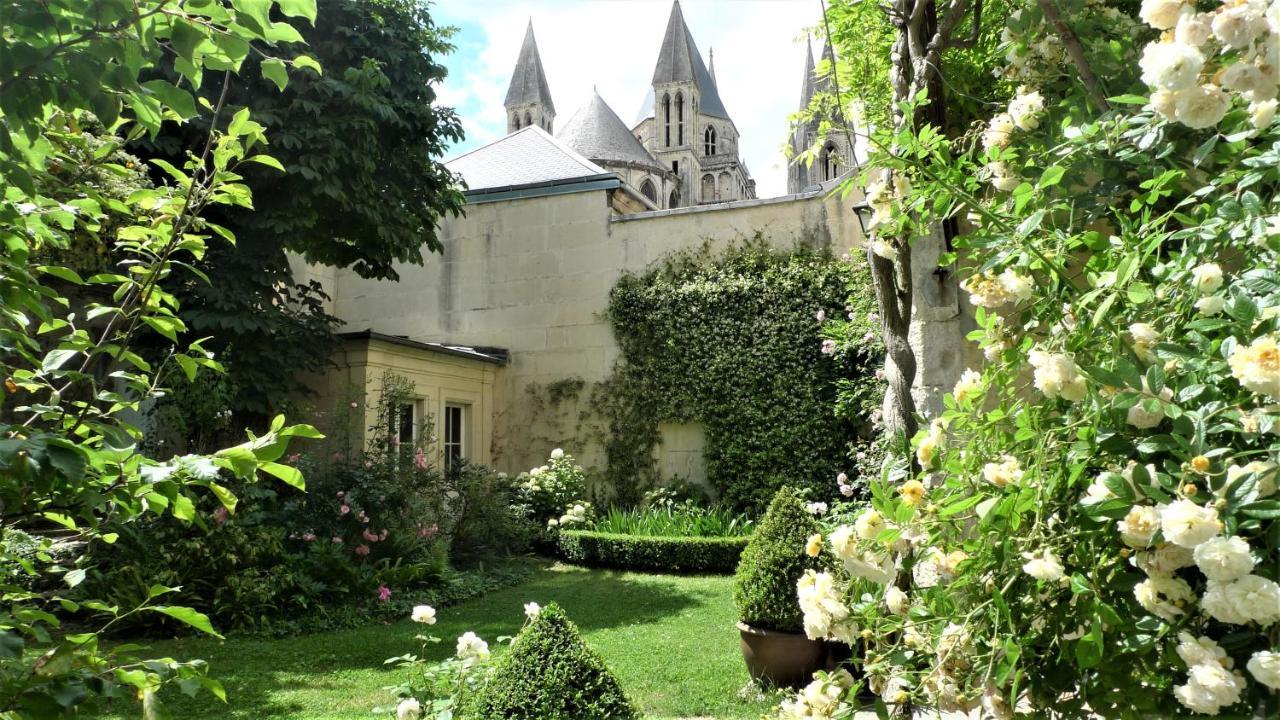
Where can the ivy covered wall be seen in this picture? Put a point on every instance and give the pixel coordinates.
(734, 342)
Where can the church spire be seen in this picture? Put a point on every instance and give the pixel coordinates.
(806, 84)
(711, 64)
(528, 97)
(680, 62)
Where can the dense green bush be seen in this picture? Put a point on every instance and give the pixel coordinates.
(764, 589)
(550, 674)
(488, 519)
(686, 519)
(663, 554)
(734, 342)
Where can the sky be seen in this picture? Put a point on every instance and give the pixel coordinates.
(613, 46)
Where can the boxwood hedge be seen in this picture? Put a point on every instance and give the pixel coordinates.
(637, 552)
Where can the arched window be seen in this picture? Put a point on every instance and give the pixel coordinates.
(515, 121)
(666, 120)
(726, 186)
(528, 119)
(674, 200)
(708, 188)
(646, 189)
(830, 162)
(709, 141)
(679, 119)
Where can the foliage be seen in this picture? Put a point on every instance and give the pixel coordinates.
(764, 588)
(490, 517)
(1093, 529)
(550, 674)
(438, 688)
(659, 553)
(687, 519)
(731, 342)
(73, 87)
(545, 494)
(362, 188)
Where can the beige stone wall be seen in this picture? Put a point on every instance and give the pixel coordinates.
(534, 275)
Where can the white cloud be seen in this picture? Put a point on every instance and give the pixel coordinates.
(613, 45)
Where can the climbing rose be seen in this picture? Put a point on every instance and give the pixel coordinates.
(1188, 524)
(1207, 278)
(1139, 526)
(1045, 566)
(1224, 559)
(1257, 366)
(1265, 667)
(1170, 65)
(1161, 14)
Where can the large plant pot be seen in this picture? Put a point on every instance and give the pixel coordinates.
(781, 659)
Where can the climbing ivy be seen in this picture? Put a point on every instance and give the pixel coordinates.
(734, 342)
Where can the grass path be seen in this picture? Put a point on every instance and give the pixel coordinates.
(670, 639)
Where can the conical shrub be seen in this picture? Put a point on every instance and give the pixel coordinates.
(550, 674)
(764, 588)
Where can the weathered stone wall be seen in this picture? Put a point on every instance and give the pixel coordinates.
(534, 275)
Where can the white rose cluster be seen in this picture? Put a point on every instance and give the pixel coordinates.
(821, 601)
(1257, 366)
(1006, 472)
(1056, 375)
(1189, 85)
(875, 566)
(1211, 683)
(990, 291)
(884, 194)
(820, 699)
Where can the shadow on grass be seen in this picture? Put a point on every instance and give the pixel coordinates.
(342, 674)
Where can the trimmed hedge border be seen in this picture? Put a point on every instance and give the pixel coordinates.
(640, 552)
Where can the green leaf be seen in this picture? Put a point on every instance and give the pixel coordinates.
(274, 70)
(1127, 100)
(308, 62)
(266, 160)
(290, 475)
(1052, 176)
(165, 325)
(299, 8)
(194, 618)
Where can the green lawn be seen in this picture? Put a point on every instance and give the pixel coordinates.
(670, 639)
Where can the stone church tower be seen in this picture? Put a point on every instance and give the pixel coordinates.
(529, 97)
(836, 156)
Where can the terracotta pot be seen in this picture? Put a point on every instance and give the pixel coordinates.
(781, 659)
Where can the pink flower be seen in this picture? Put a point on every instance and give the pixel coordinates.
(337, 540)
(309, 536)
(368, 536)
(383, 535)
(362, 550)
(828, 347)
(846, 490)
(293, 458)
(344, 509)
(420, 459)
(426, 532)
(869, 337)
(341, 493)
(221, 515)
(384, 593)
(841, 479)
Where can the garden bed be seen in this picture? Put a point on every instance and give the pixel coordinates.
(662, 554)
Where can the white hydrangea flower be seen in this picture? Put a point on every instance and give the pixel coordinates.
(1207, 278)
(1139, 526)
(1265, 668)
(1164, 596)
(424, 614)
(408, 709)
(1160, 14)
(1185, 523)
(1006, 472)
(1171, 66)
(1257, 366)
(1045, 566)
(1202, 107)
(1224, 559)
(557, 454)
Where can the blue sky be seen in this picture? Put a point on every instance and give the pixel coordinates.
(613, 44)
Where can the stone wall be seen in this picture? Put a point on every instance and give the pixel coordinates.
(534, 275)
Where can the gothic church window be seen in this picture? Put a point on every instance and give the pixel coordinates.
(646, 189)
(515, 120)
(709, 141)
(674, 200)
(830, 160)
(666, 119)
(528, 119)
(679, 119)
(708, 188)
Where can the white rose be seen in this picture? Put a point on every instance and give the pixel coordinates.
(843, 542)
(1224, 559)
(1202, 107)
(1238, 26)
(1193, 28)
(1139, 526)
(1209, 688)
(1045, 566)
(1170, 65)
(1264, 470)
(531, 610)
(1263, 113)
(1019, 286)
(1160, 14)
(897, 601)
(876, 568)
(1006, 472)
(968, 385)
(869, 524)
(998, 132)
(1142, 418)
(471, 647)
(1145, 338)
(408, 709)
(1164, 102)
(1195, 651)
(1257, 366)
(1207, 278)
(1163, 596)
(1265, 668)
(424, 614)
(1247, 79)
(1025, 109)
(1056, 375)
(1164, 560)
(884, 249)
(1187, 524)
(1211, 305)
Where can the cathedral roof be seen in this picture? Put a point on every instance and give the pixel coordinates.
(524, 157)
(529, 82)
(680, 61)
(595, 131)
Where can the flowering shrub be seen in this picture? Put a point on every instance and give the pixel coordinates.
(1093, 525)
(438, 691)
(550, 492)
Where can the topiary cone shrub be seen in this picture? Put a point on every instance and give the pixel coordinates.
(550, 674)
(764, 589)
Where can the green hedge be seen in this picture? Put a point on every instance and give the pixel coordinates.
(665, 554)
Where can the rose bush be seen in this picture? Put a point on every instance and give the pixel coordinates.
(1092, 527)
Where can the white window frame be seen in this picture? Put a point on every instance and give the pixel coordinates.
(464, 436)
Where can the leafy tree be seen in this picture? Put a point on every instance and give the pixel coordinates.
(363, 188)
(73, 88)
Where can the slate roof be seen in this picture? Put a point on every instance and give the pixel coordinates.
(497, 356)
(524, 157)
(529, 82)
(680, 61)
(595, 131)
